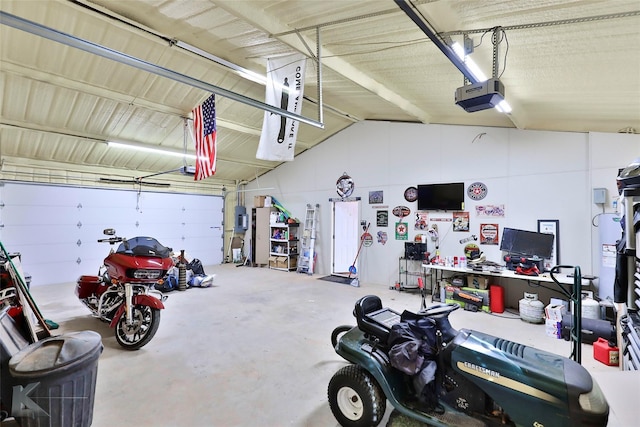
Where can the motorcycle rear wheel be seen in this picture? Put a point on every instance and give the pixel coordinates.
(145, 325)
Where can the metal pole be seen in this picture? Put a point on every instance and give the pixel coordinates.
(494, 39)
(319, 76)
(105, 52)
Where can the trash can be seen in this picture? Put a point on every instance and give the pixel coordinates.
(54, 381)
(12, 341)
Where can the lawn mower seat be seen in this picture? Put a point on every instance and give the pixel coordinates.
(373, 319)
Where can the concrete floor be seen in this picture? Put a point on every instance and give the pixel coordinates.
(254, 350)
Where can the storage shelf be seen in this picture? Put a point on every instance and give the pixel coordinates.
(410, 268)
(283, 253)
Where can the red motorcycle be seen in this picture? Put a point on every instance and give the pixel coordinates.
(122, 292)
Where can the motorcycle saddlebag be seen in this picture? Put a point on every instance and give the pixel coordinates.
(87, 285)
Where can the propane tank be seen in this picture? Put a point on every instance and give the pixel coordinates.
(531, 308)
(590, 307)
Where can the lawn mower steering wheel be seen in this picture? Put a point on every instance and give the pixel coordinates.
(439, 309)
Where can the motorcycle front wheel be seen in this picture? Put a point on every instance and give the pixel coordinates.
(144, 326)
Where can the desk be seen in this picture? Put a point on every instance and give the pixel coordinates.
(506, 274)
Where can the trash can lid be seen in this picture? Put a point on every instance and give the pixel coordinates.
(55, 352)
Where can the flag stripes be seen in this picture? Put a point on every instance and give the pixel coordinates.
(204, 126)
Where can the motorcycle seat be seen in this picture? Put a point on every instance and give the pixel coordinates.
(373, 319)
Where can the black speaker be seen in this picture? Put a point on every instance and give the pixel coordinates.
(415, 251)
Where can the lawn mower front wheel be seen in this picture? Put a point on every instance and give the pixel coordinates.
(355, 398)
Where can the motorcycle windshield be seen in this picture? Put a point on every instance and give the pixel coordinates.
(144, 246)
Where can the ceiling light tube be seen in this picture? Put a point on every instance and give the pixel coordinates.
(140, 147)
(471, 65)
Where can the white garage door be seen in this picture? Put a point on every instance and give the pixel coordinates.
(56, 228)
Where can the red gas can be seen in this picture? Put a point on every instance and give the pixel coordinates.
(496, 299)
(604, 353)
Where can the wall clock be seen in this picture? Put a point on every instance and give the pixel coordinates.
(411, 194)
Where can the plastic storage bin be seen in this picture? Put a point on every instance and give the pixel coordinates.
(64, 371)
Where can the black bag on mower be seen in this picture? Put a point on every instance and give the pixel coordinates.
(413, 351)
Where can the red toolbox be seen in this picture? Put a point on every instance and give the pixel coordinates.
(605, 353)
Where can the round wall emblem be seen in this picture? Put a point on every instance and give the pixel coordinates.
(477, 191)
(345, 185)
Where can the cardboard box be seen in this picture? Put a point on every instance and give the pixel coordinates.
(554, 312)
(484, 293)
(276, 218)
(560, 301)
(258, 201)
(477, 282)
(281, 262)
(273, 261)
(553, 319)
(553, 328)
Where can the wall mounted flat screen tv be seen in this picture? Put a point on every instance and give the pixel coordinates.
(530, 243)
(446, 197)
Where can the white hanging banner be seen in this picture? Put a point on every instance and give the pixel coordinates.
(285, 89)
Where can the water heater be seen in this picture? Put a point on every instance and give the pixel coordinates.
(609, 232)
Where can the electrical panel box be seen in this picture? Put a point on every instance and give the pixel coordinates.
(241, 223)
(599, 196)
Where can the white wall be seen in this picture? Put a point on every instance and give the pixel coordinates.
(534, 174)
(56, 228)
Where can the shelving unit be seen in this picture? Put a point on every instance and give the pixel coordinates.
(284, 246)
(410, 270)
(630, 323)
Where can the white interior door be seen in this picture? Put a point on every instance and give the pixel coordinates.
(345, 235)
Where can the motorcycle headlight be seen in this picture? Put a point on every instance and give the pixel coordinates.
(594, 401)
(145, 274)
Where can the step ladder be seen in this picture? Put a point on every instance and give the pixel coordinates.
(307, 253)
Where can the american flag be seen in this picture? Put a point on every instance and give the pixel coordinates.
(204, 127)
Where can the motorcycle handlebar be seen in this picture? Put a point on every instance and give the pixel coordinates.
(111, 240)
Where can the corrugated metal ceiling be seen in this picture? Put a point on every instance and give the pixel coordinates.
(570, 66)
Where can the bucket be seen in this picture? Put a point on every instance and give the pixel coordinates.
(531, 309)
(496, 299)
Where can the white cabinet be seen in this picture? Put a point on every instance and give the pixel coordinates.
(260, 235)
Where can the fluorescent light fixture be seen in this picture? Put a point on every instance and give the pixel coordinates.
(473, 67)
(503, 106)
(161, 151)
